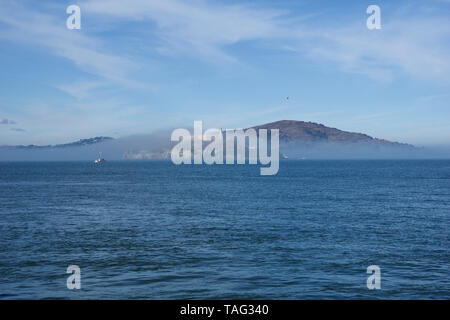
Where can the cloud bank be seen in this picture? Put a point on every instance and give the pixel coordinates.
(6, 121)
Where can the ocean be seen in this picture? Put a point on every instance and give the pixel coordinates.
(153, 230)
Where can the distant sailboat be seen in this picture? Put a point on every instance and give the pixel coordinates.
(100, 158)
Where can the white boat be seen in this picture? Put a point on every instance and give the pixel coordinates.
(100, 158)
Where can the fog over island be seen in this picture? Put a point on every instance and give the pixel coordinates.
(298, 140)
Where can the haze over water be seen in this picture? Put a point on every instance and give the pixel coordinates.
(153, 230)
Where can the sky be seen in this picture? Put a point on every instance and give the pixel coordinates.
(137, 66)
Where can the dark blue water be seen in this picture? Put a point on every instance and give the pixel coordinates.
(153, 230)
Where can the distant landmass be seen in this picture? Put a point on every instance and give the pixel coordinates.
(81, 142)
(290, 131)
(301, 131)
(298, 140)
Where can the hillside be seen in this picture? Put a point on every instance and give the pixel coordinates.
(79, 143)
(301, 131)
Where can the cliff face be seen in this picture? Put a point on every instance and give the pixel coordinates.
(310, 132)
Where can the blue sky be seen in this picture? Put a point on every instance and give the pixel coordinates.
(140, 65)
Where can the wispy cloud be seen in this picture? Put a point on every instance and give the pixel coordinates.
(81, 89)
(26, 25)
(407, 42)
(199, 27)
